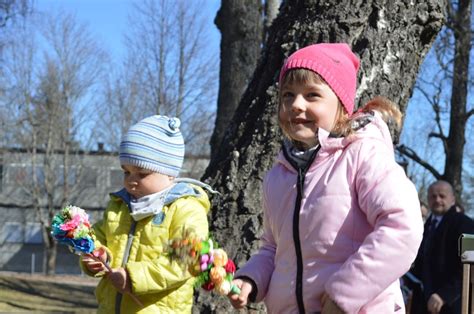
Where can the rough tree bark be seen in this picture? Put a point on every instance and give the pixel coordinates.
(241, 26)
(391, 37)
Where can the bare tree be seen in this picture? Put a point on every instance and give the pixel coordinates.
(391, 38)
(46, 96)
(121, 104)
(451, 109)
(169, 70)
(9, 9)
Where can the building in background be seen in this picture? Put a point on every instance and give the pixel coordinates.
(91, 175)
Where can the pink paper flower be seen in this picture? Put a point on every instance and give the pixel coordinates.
(71, 224)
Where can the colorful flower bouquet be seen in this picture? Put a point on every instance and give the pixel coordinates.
(210, 265)
(72, 227)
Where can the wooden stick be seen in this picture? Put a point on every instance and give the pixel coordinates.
(465, 288)
(109, 269)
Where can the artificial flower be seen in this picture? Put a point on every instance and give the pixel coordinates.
(210, 265)
(224, 287)
(220, 257)
(230, 266)
(217, 274)
(208, 286)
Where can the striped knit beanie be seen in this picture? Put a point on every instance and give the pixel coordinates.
(335, 63)
(155, 143)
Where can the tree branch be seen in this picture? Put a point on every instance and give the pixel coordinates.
(437, 135)
(468, 115)
(410, 153)
(434, 101)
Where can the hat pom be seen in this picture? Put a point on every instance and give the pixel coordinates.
(174, 123)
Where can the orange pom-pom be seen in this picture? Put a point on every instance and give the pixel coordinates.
(217, 275)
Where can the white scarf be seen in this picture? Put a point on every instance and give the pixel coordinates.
(148, 205)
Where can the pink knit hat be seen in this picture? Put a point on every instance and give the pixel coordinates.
(335, 63)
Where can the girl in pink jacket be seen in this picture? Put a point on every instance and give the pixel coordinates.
(342, 221)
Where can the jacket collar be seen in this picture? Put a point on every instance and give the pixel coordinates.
(179, 190)
(377, 129)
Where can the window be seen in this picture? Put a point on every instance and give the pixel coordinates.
(17, 174)
(89, 177)
(71, 175)
(12, 232)
(22, 174)
(33, 233)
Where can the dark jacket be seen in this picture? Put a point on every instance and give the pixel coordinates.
(439, 266)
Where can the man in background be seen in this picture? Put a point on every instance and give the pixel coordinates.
(438, 264)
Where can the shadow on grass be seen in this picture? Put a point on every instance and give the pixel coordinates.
(24, 294)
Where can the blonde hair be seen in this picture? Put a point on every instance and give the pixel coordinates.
(389, 112)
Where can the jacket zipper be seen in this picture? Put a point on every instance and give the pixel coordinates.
(296, 239)
(131, 234)
(296, 227)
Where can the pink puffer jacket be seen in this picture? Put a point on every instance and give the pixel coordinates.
(358, 229)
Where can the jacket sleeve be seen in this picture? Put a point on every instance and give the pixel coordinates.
(261, 265)
(162, 274)
(451, 289)
(390, 202)
(100, 241)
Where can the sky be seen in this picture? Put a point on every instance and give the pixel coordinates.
(108, 22)
(108, 19)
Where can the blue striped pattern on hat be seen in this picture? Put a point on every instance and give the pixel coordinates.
(155, 143)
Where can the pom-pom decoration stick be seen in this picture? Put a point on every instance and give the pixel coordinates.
(72, 227)
(210, 265)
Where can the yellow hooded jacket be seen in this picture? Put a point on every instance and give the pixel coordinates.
(163, 286)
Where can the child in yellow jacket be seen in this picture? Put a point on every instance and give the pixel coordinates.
(152, 208)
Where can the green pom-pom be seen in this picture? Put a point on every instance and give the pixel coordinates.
(234, 289)
(204, 248)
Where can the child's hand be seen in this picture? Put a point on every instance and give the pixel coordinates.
(329, 306)
(120, 280)
(435, 303)
(94, 266)
(238, 301)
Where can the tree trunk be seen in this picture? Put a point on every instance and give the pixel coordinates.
(241, 26)
(391, 37)
(50, 252)
(458, 119)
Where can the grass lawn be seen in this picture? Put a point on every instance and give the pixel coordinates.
(24, 293)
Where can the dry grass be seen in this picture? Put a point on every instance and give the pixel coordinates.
(23, 293)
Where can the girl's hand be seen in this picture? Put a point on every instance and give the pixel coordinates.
(239, 301)
(120, 280)
(93, 265)
(328, 306)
